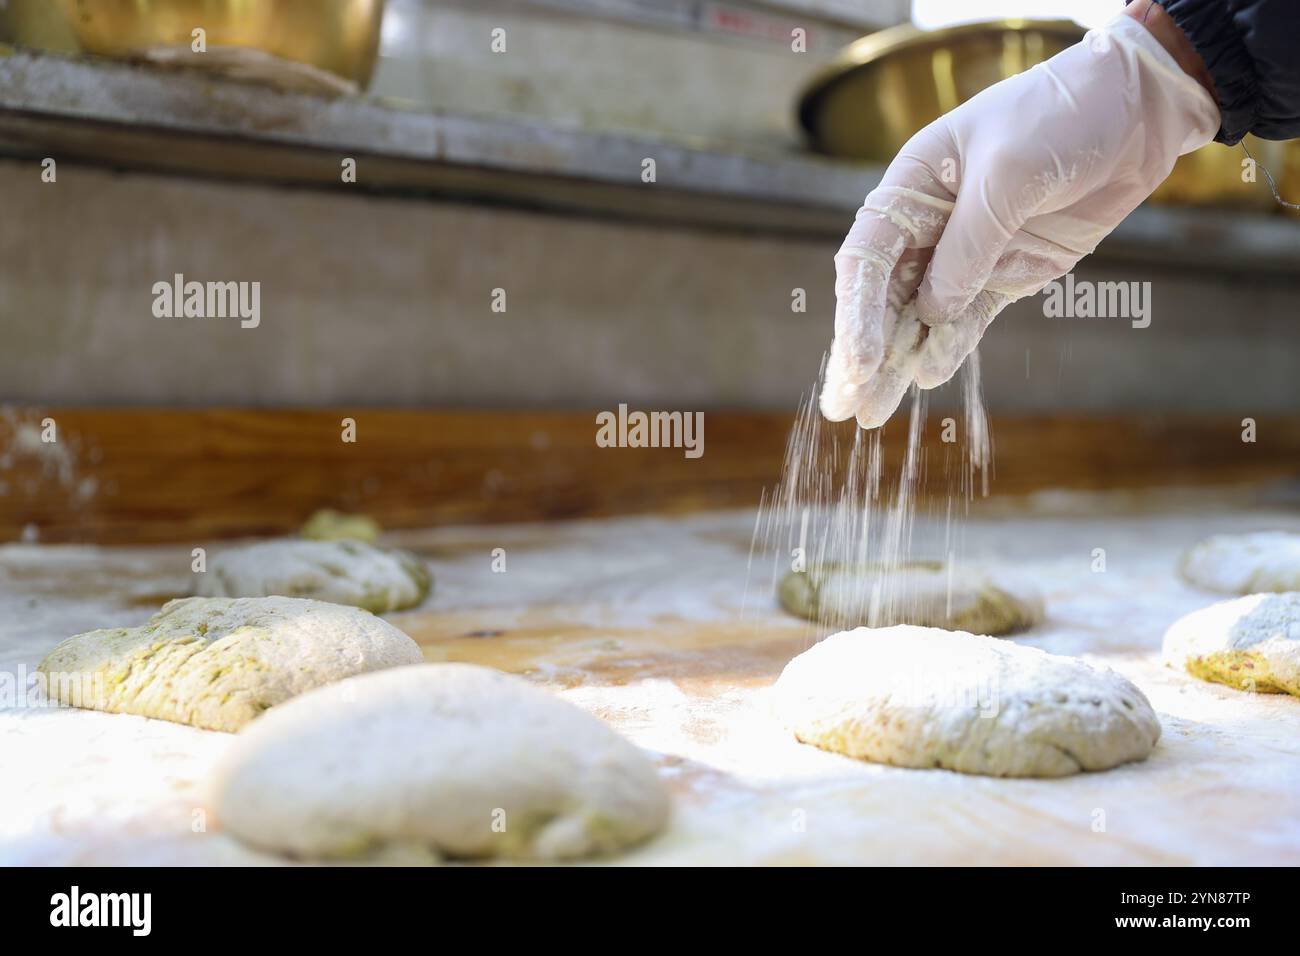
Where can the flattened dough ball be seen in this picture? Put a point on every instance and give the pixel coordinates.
(448, 760)
(922, 593)
(330, 525)
(217, 663)
(1250, 643)
(343, 572)
(924, 697)
(1263, 561)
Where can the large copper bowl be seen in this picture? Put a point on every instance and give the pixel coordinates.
(39, 24)
(338, 36)
(884, 87)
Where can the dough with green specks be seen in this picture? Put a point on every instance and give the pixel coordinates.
(928, 698)
(432, 762)
(922, 593)
(344, 572)
(330, 525)
(1261, 561)
(1250, 643)
(217, 663)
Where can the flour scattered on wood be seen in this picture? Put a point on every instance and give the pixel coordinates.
(37, 460)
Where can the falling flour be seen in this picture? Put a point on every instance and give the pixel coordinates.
(841, 501)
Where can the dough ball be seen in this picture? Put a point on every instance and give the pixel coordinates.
(924, 697)
(449, 760)
(1245, 563)
(218, 662)
(330, 525)
(1251, 643)
(344, 572)
(918, 592)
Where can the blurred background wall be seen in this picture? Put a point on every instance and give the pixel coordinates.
(383, 301)
(387, 301)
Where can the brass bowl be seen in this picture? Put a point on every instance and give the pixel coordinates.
(337, 36)
(1289, 179)
(1212, 175)
(39, 24)
(884, 87)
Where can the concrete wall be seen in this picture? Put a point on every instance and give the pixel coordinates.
(736, 83)
(388, 302)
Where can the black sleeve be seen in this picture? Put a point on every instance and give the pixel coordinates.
(1252, 49)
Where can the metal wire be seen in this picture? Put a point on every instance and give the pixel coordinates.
(1269, 176)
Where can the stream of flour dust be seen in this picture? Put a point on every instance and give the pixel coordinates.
(844, 499)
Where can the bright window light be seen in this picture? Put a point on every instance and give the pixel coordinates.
(942, 13)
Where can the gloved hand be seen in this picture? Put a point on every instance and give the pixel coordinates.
(996, 199)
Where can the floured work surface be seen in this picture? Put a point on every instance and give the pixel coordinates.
(648, 623)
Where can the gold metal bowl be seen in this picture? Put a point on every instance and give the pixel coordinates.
(1213, 175)
(884, 87)
(39, 24)
(340, 37)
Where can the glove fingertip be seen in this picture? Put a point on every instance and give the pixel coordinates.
(882, 401)
(837, 404)
(873, 417)
(945, 349)
(928, 376)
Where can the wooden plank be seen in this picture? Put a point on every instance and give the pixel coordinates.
(151, 475)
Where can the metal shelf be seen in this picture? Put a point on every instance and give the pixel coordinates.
(188, 123)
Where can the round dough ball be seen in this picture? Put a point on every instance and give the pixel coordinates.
(443, 759)
(330, 525)
(1251, 643)
(922, 593)
(344, 572)
(924, 697)
(1245, 563)
(219, 662)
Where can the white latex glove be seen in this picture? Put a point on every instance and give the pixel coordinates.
(995, 200)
